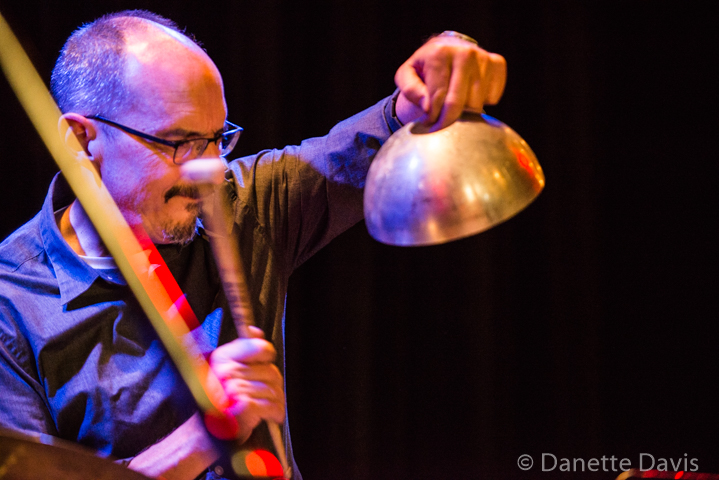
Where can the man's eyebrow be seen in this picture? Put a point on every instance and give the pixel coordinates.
(187, 134)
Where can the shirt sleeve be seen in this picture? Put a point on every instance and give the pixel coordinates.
(22, 406)
(301, 197)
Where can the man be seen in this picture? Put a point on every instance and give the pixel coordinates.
(78, 358)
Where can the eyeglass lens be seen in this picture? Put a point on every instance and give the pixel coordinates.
(195, 148)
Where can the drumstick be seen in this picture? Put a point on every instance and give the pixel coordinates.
(130, 256)
(218, 222)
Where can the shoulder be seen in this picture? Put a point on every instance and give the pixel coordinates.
(21, 246)
(18, 255)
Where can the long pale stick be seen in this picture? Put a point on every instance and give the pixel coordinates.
(225, 247)
(117, 236)
(130, 257)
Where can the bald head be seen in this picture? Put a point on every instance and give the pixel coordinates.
(91, 74)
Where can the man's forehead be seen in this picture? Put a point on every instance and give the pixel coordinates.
(173, 81)
(150, 39)
(166, 59)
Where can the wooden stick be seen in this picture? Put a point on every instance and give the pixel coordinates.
(130, 257)
(225, 247)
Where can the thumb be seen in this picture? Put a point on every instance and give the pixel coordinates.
(255, 332)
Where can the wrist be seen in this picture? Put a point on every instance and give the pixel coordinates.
(407, 111)
(182, 455)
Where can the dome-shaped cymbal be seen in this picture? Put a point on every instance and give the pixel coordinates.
(428, 188)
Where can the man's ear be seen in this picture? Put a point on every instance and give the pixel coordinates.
(78, 132)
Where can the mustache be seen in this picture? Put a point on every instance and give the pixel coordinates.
(190, 191)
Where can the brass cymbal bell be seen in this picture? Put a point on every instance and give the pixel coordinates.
(429, 188)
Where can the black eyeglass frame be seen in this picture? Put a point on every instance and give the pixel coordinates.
(233, 134)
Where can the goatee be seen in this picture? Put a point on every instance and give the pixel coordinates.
(183, 233)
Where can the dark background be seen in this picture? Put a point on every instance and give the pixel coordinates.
(584, 327)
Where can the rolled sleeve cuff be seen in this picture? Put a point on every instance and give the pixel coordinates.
(390, 113)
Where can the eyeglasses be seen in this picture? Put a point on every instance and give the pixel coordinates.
(186, 149)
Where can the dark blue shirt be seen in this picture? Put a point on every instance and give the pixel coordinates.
(78, 357)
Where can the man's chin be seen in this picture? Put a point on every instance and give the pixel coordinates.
(184, 231)
(177, 226)
(179, 233)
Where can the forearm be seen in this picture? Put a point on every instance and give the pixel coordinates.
(182, 455)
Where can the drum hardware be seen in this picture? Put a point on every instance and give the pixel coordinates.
(40, 457)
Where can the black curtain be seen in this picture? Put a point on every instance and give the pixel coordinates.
(583, 328)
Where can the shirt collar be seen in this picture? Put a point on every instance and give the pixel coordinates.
(74, 276)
